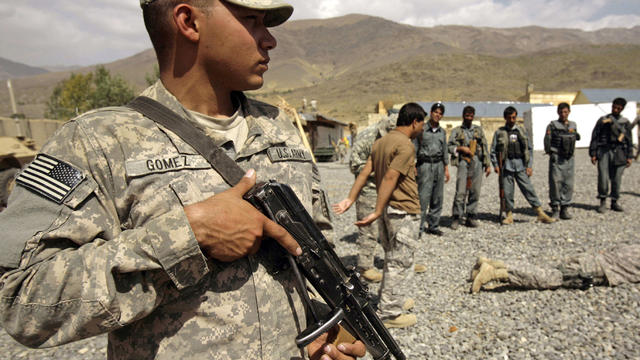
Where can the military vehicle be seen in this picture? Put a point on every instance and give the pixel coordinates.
(15, 152)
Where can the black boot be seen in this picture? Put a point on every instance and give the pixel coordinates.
(471, 221)
(564, 212)
(603, 206)
(615, 206)
(554, 211)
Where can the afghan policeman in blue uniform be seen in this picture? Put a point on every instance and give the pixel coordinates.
(560, 144)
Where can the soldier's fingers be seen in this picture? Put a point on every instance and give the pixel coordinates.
(246, 183)
(280, 234)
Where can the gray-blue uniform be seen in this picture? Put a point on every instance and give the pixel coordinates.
(517, 151)
(461, 136)
(612, 151)
(559, 144)
(431, 151)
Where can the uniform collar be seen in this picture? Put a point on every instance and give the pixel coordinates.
(265, 122)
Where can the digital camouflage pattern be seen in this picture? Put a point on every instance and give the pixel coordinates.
(119, 256)
(399, 237)
(277, 11)
(366, 201)
(618, 266)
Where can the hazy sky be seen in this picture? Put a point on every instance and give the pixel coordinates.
(71, 32)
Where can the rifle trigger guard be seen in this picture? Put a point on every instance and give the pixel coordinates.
(314, 331)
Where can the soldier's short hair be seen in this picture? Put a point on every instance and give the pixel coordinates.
(436, 106)
(157, 15)
(409, 112)
(468, 110)
(620, 101)
(509, 110)
(563, 105)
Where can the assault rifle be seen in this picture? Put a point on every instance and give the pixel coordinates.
(503, 203)
(340, 287)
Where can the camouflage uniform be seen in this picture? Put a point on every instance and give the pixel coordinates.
(460, 136)
(366, 202)
(559, 144)
(615, 267)
(118, 256)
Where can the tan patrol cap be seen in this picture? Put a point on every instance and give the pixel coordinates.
(277, 11)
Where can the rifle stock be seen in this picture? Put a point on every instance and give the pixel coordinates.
(340, 287)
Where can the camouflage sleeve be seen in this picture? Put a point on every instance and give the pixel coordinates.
(82, 270)
(360, 151)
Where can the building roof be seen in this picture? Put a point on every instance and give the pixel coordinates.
(484, 109)
(596, 96)
(317, 117)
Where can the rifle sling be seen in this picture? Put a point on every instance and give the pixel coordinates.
(230, 171)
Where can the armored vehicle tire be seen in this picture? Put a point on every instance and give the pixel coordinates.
(7, 182)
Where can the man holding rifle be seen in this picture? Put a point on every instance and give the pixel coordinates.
(469, 152)
(511, 145)
(120, 227)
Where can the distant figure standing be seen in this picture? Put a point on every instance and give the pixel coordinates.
(512, 143)
(560, 144)
(611, 149)
(469, 152)
(433, 170)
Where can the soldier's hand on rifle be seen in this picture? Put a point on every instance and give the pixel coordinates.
(228, 228)
(326, 347)
(594, 160)
(529, 172)
(487, 171)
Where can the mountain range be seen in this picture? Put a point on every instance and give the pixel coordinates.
(349, 63)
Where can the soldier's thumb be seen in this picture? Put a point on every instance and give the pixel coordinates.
(246, 183)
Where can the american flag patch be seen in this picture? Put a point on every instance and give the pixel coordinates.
(50, 178)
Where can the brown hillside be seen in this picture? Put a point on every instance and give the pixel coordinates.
(349, 63)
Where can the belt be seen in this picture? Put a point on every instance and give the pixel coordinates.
(430, 159)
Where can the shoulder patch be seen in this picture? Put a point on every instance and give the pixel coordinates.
(284, 153)
(51, 178)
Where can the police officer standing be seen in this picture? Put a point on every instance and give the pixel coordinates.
(468, 148)
(512, 143)
(433, 170)
(611, 149)
(560, 143)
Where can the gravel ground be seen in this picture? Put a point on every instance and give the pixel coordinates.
(599, 323)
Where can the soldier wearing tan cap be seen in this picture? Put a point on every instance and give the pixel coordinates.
(120, 227)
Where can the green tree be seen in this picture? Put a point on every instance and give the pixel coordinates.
(152, 78)
(83, 92)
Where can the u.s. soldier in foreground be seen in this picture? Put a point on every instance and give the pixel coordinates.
(120, 227)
